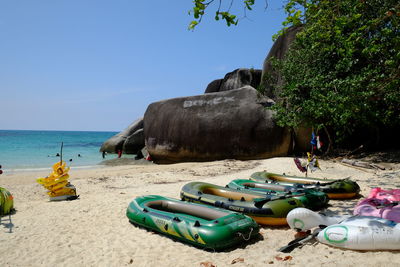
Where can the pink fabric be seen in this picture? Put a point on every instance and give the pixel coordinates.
(382, 208)
(299, 166)
(379, 193)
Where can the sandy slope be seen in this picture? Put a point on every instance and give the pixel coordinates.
(94, 230)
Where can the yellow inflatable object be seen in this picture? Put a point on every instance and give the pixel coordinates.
(62, 191)
(58, 186)
(48, 182)
(57, 183)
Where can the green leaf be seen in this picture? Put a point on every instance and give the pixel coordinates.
(192, 25)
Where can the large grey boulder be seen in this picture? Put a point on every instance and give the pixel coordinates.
(116, 142)
(226, 125)
(235, 79)
(278, 51)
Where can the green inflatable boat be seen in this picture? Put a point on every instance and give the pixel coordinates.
(335, 189)
(311, 199)
(6, 202)
(196, 224)
(264, 209)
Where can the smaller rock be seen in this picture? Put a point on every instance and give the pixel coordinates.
(116, 142)
(134, 143)
(213, 86)
(234, 80)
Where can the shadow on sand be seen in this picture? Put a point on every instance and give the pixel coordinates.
(6, 222)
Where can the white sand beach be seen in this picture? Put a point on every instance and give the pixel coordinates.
(94, 230)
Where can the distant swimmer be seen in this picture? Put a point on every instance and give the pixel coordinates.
(79, 155)
(58, 154)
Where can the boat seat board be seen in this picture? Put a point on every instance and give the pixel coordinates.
(184, 208)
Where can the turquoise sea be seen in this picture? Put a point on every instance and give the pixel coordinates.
(34, 150)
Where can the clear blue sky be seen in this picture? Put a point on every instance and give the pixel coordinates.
(97, 64)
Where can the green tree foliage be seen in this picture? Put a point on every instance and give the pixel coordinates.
(342, 73)
(222, 13)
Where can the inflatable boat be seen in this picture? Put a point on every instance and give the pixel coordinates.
(336, 189)
(381, 208)
(349, 232)
(312, 199)
(196, 224)
(302, 219)
(6, 202)
(362, 233)
(264, 209)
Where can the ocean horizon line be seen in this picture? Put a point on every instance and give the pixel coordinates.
(97, 131)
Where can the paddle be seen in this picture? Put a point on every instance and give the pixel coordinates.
(298, 242)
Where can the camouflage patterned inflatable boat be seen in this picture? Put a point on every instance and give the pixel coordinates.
(336, 189)
(311, 199)
(264, 209)
(196, 224)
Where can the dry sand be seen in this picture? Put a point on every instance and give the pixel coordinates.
(94, 230)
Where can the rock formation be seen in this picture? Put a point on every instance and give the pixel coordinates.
(134, 142)
(234, 80)
(213, 86)
(229, 121)
(129, 140)
(278, 51)
(225, 125)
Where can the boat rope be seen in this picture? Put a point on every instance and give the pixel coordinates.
(242, 235)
